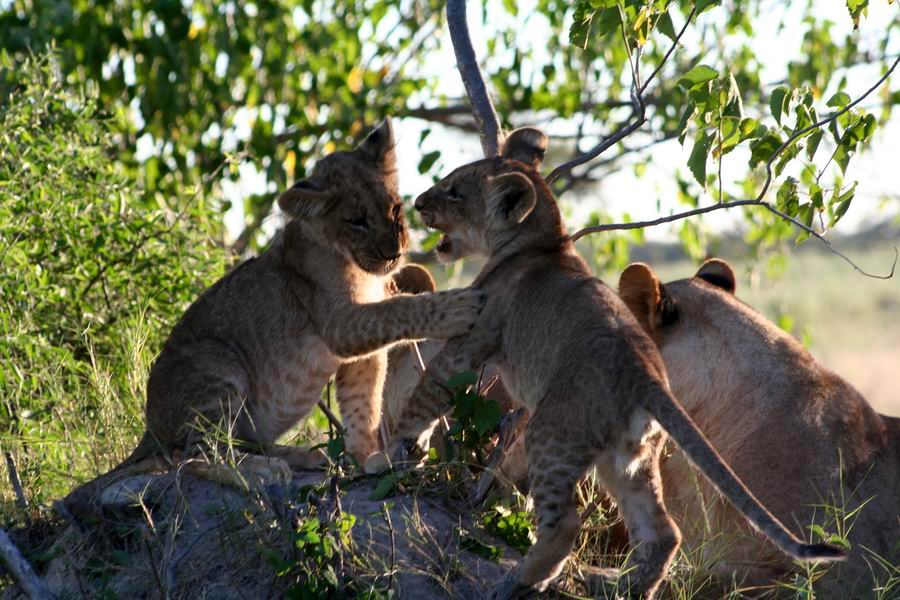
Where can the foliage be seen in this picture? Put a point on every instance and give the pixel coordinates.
(91, 279)
(187, 83)
(516, 528)
(282, 82)
(316, 550)
(475, 419)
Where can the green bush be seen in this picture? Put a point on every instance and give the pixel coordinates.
(90, 283)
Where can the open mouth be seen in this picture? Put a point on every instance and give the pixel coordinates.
(444, 245)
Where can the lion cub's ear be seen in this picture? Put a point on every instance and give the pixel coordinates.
(719, 273)
(526, 144)
(640, 290)
(378, 147)
(414, 279)
(511, 197)
(307, 199)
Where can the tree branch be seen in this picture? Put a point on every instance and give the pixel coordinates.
(638, 115)
(21, 571)
(758, 201)
(476, 90)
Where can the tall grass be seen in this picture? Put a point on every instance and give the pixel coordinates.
(91, 280)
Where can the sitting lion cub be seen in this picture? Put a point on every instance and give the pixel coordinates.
(800, 436)
(572, 354)
(254, 352)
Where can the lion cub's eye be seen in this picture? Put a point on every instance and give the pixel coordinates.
(359, 223)
(454, 193)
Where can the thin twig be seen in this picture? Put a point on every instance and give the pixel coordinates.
(638, 115)
(476, 90)
(332, 418)
(661, 220)
(668, 53)
(21, 571)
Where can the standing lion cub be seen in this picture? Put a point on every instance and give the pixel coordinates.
(254, 352)
(571, 352)
(800, 436)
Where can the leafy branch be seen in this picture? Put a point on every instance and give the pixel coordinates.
(758, 200)
(639, 109)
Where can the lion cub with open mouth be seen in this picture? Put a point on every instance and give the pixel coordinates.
(570, 351)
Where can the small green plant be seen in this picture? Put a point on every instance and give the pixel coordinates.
(318, 541)
(478, 547)
(476, 419)
(516, 528)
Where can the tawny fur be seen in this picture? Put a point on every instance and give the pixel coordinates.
(406, 360)
(572, 354)
(799, 435)
(254, 352)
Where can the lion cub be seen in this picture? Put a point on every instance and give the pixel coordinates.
(798, 434)
(571, 352)
(256, 349)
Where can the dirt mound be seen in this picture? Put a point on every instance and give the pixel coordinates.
(176, 536)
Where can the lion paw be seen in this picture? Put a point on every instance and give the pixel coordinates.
(264, 470)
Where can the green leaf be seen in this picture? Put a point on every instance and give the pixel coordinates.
(805, 216)
(581, 24)
(487, 416)
(706, 4)
(464, 379)
(665, 26)
(815, 196)
(839, 100)
(857, 8)
(697, 76)
(840, 203)
(697, 160)
(681, 129)
(428, 161)
(762, 148)
(777, 101)
(384, 487)
(787, 198)
(812, 142)
(748, 128)
(479, 548)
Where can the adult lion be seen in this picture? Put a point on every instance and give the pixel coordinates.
(802, 438)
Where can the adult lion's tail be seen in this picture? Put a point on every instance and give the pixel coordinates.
(691, 440)
(82, 501)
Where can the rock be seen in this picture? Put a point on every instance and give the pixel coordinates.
(194, 538)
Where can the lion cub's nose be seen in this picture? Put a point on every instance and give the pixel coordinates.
(419, 204)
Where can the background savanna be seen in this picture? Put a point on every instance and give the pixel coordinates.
(143, 144)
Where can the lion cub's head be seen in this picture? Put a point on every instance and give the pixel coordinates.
(485, 205)
(351, 202)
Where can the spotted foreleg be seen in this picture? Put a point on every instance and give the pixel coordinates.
(359, 389)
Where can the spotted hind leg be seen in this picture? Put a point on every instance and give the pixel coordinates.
(557, 461)
(631, 475)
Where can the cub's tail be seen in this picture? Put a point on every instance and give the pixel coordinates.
(82, 501)
(691, 440)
